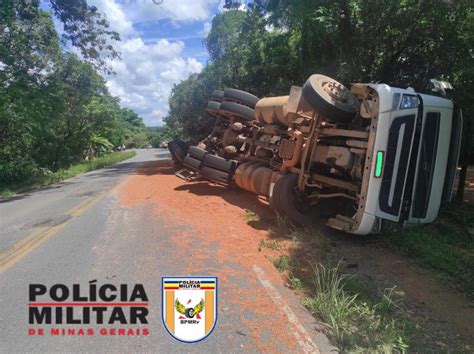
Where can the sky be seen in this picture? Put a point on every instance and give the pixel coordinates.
(160, 46)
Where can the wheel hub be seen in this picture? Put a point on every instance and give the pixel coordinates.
(336, 90)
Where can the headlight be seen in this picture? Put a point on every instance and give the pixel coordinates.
(409, 101)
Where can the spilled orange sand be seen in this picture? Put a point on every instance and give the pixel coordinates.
(220, 235)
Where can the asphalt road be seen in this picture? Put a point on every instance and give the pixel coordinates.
(77, 231)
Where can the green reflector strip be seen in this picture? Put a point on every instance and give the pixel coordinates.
(379, 164)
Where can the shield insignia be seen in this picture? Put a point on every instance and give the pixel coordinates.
(189, 307)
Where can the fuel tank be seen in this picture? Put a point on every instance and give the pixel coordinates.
(273, 110)
(254, 177)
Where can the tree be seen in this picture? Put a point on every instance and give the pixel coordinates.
(280, 43)
(232, 4)
(29, 48)
(55, 108)
(405, 42)
(22, 28)
(128, 129)
(235, 44)
(187, 117)
(79, 106)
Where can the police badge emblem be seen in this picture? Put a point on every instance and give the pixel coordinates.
(189, 310)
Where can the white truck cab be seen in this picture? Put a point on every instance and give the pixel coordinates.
(414, 159)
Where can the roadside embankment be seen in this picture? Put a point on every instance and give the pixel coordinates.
(9, 191)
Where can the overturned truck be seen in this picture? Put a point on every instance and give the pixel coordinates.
(362, 160)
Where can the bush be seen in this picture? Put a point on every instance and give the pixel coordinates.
(18, 170)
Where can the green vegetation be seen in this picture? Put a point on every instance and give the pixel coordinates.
(6, 194)
(159, 135)
(55, 108)
(281, 227)
(359, 317)
(356, 324)
(446, 246)
(250, 215)
(63, 174)
(284, 262)
(271, 47)
(270, 244)
(295, 283)
(312, 236)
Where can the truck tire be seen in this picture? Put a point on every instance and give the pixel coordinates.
(192, 163)
(331, 99)
(242, 97)
(217, 95)
(219, 163)
(275, 203)
(197, 153)
(238, 110)
(214, 175)
(177, 152)
(213, 107)
(182, 144)
(287, 201)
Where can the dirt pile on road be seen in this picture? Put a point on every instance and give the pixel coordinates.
(220, 243)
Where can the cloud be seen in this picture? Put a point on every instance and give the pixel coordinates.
(147, 73)
(116, 16)
(178, 11)
(206, 29)
(149, 69)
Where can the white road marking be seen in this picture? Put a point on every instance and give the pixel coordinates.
(301, 334)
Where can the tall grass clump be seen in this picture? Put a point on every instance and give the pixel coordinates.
(355, 324)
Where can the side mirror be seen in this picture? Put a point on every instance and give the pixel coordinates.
(440, 87)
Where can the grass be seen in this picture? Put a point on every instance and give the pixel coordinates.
(355, 323)
(281, 227)
(284, 262)
(312, 237)
(250, 215)
(295, 282)
(7, 192)
(359, 318)
(270, 244)
(446, 246)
